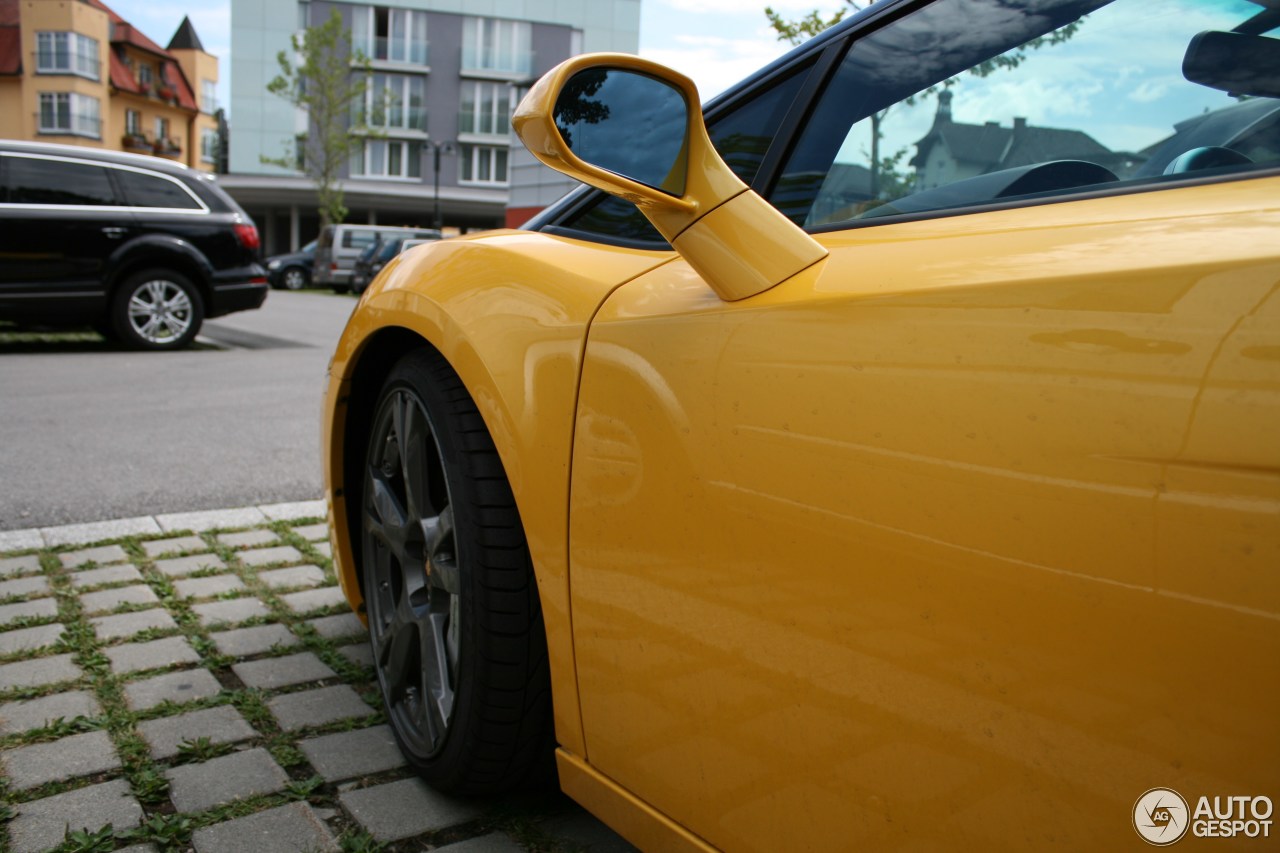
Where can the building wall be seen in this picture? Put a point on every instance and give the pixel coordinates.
(199, 66)
(264, 125)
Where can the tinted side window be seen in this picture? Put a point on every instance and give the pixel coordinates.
(362, 239)
(742, 137)
(34, 180)
(1065, 96)
(154, 191)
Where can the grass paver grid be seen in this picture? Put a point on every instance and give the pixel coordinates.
(148, 678)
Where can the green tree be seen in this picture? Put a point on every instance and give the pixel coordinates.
(329, 80)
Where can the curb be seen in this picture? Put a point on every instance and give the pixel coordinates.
(95, 531)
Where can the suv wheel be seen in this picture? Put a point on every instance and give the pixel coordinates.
(157, 309)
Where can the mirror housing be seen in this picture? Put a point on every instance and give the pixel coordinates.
(1235, 63)
(733, 238)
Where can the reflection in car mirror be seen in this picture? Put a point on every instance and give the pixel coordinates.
(629, 123)
(1235, 63)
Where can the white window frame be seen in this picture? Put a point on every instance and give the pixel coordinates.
(209, 95)
(405, 83)
(497, 46)
(363, 160)
(406, 26)
(499, 115)
(481, 163)
(208, 145)
(72, 114)
(133, 122)
(67, 53)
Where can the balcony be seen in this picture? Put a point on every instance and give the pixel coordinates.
(168, 147)
(502, 64)
(137, 142)
(393, 51)
(484, 124)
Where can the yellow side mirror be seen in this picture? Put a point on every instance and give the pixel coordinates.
(634, 128)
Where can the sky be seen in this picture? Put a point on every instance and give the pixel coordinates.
(715, 42)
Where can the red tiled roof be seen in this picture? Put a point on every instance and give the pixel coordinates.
(172, 74)
(9, 13)
(121, 76)
(123, 31)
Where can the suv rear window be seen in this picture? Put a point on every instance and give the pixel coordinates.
(142, 190)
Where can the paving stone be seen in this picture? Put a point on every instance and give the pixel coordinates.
(266, 556)
(316, 707)
(292, 576)
(313, 532)
(102, 556)
(22, 587)
(175, 545)
(37, 609)
(339, 625)
(21, 540)
(41, 824)
(360, 654)
(128, 624)
(19, 565)
(220, 725)
(196, 787)
(313, 599)
(37, 713)
(292, 827)
(110, 574)
(110, 599)
(230, 612)
(208, 587)
(188, 685)
(247, 538)
(494, 842)
(29, 639)
(358, 753)
(96, 531)
(408, 807)
(270, 673)
(137, 848)
(38, 672)
(324, 548)
(67, 758)
(178, 567)
(244, 642)
(133, 657)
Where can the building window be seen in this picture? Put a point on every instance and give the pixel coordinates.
(209, 96)
(133, 122)
(486, 107)
(67, 53)
(388, 158)
(70, 113)
(209, 145)
(494, 45)
(162, 128)
(390, 35)
(396, 102)
(145, 75)
(483, 164)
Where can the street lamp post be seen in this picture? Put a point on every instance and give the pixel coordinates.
(436, 149)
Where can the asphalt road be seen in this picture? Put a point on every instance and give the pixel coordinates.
(89, 432)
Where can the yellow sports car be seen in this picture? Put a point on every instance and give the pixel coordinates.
(888, 457)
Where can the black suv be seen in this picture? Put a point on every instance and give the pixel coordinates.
(141, 248)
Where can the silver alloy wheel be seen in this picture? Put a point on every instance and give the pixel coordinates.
(294, 279)
(160, 311)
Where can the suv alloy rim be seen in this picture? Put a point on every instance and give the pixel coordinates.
(160, 311)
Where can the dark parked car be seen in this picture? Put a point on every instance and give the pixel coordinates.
(141, 248)
(292, 271)
(376, 256)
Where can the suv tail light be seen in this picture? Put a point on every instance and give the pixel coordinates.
(247, 235)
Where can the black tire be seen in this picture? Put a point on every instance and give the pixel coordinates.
(294, 278)
(453, 609)
(157, 309)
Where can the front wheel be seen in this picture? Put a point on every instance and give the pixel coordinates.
(452, 604)
(157, 309)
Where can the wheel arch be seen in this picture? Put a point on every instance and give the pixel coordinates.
(160, 256)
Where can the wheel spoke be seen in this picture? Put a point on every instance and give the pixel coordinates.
(437, 690)
(417, 452)
(396, 654)
(442, 563)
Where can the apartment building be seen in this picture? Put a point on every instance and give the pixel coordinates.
(452, 71)
(75, 72)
